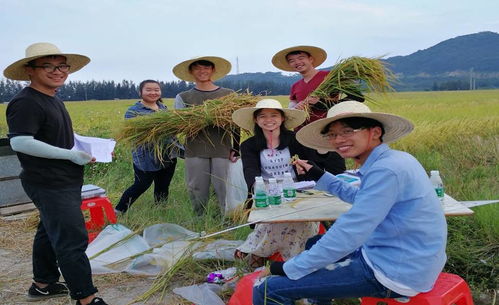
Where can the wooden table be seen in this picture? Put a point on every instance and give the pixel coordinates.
(319, 206)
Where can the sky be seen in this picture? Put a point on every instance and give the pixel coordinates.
(136, 40)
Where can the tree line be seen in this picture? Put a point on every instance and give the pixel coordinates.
(127, 89)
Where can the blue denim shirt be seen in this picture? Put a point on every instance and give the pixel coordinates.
(396, 219)
(142, 156)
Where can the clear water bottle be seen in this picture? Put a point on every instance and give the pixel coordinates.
(288, 187)
(274, 193)
(436, 180)
(260, 195)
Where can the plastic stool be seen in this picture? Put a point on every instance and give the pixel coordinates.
(449, 289)
(243, 294)
(98, 207)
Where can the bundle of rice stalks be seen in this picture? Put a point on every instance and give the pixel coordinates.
(153, 129)
(355, 75)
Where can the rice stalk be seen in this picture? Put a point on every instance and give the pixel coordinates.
(354, 75)
(163, 280)
(115, 244)
(153, 130)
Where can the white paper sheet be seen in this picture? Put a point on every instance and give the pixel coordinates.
(99, 148)
(304, 185)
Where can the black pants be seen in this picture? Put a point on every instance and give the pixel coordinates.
(61, 239)
(143, 181)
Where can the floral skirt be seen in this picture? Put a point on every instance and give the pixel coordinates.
(286, 238)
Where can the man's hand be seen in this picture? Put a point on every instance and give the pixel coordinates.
(309, 100)
(265, 272)
(233, 156)
(81, 158)
(302, 167)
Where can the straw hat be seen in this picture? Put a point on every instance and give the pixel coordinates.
(244, 117)
(395, 126)
(222, 68)
(16, 71)
(279, 60)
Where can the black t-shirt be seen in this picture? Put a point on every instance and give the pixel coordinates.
(32, 113)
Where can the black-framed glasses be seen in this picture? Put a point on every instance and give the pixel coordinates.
(51, 68)
(345, 133)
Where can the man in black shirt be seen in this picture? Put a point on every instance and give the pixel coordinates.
(41, 133)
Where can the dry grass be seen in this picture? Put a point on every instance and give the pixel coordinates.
(17, 235)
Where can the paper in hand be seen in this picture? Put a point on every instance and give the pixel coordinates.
(99, 148)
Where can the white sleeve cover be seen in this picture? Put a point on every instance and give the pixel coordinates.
(30, 146)
(179, 102)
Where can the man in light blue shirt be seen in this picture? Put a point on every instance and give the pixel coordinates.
(391, 243)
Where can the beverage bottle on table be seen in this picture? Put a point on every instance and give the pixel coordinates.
(288, 187)
(437, 184)
(260, 196)
(274, 193)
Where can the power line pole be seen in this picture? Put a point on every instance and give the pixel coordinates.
(237, 65)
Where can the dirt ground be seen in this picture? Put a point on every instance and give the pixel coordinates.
(16, 237)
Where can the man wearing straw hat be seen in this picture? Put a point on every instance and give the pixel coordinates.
(391, 243)
(207, 155)
(41, 133)
(305, 60)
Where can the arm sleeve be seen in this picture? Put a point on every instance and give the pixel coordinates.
(330, 162)
(236, 138)
(130, 114)
(350, 231)
(292, 104)
(179, 102)
(29, 146)
(251, 163)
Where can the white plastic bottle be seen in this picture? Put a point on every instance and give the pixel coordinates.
(260, 195)
(288, 187)
(436, 180)
(274, 193)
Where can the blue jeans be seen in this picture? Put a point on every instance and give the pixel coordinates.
(350, 277)
(61, 239)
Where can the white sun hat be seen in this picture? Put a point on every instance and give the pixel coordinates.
(280, 61)
(244, 117)
(395, 126)
(17, 71)
(222, 68)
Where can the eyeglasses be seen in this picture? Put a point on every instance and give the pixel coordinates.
(345, 133)
(51, 68)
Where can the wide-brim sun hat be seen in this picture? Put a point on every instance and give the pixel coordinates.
(279, 60)
(17, 71)
(222, 68)
(395, 126)
(244, 117)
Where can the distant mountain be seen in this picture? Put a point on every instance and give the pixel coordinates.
(479, 52)
(461, 63)
(454, 64)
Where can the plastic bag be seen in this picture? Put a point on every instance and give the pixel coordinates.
(201, 294)
(236, 189)
(109, 236)
(161, 258)
(219, 249)
(162, 233)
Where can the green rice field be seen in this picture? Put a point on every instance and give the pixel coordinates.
(457, 132)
